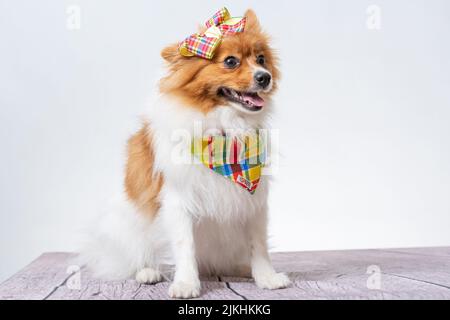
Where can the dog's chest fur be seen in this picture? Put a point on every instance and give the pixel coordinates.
(221, 209)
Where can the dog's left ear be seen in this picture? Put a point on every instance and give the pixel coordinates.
(252, 21)
(171, 53)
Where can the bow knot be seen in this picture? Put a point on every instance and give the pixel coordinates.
(205, 44)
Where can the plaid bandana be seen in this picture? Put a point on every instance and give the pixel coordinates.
(240, 161)
(204, 45)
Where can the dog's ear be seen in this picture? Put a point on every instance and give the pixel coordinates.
(252, 21)
(171, 53)
(201, 28)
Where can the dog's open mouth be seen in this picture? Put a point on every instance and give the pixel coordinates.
(249, 100)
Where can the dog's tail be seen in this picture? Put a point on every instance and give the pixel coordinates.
(122, 241)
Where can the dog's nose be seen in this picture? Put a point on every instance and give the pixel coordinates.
(262, 79)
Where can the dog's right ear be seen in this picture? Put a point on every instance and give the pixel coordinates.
(252, 21)
(171, 53)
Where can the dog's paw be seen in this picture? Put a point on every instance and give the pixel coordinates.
(148, 275)
(184, 290)
(272, 281)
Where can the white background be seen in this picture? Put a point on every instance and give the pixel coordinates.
(364, 117)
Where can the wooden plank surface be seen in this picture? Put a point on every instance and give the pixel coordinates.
(422, 273)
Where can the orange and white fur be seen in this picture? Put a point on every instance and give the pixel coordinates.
(185, 214)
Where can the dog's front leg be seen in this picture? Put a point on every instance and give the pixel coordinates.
(262, 270)
(179, 225)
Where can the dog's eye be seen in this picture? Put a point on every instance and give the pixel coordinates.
(261, 60)
(231, 62)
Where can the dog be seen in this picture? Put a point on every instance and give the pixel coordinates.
(186, 215)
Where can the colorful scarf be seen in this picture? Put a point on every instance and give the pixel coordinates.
(239, 160)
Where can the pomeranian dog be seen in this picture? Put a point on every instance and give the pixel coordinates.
(185, 215)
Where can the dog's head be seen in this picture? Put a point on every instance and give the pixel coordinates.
(243, 73)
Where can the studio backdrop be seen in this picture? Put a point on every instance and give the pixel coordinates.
(363, 112)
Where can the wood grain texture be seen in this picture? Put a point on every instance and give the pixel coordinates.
(39, 279)
(416, 273)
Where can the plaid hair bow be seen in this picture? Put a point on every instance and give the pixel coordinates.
(241, 161)
(204, 45)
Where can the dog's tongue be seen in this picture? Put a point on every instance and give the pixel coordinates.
(253, 98)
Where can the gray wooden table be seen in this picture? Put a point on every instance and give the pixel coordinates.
(422, 273)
